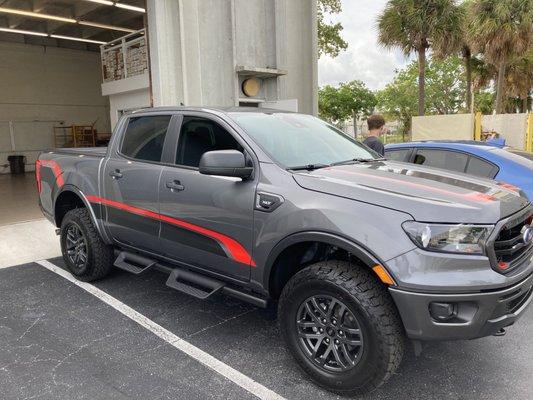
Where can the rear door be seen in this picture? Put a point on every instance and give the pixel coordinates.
(131, 181)
(207, 221)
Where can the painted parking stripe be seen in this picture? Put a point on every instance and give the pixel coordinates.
(199, 355)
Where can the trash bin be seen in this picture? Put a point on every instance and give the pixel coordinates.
(17, 164)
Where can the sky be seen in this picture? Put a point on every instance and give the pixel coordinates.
(364, 59)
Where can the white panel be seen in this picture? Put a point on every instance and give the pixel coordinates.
(511, 127)
(443, 127)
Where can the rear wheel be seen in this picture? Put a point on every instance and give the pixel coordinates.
(85, 254)
(340, 324)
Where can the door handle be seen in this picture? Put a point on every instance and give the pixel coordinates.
(175, 186)
(116, 174)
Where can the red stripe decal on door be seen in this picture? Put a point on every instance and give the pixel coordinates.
(235, 249)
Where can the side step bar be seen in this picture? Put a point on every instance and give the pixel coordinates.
(193, 284)
(183, 280)
(133, 263)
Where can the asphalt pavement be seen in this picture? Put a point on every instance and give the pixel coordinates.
(57, 341)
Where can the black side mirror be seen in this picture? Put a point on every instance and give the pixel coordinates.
(225, 163)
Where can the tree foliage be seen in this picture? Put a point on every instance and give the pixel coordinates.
(330, 41)
(412, 26)
(519, 78)
(501, 30)
(349, 100)
(445, 91)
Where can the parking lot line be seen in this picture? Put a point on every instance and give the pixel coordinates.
(201, 356)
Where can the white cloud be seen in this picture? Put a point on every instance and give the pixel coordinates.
(364, 59)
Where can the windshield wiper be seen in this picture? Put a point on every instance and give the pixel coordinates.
(308, 167)
(357, 160)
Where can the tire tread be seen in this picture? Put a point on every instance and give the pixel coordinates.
(373, 296)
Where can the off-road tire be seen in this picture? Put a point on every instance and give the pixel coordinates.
(369, 301)
(99, 255)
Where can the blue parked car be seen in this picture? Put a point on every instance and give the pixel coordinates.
(475, 158)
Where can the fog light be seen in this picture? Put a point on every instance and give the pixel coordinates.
(443, 311)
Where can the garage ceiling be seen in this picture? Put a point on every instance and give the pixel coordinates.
(93, 20)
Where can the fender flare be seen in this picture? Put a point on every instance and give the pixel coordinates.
(355, 248)
(99, 227)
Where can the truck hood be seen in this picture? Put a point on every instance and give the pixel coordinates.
(427, 194)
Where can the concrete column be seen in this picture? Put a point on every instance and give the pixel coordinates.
(190, 35)
(165, 27)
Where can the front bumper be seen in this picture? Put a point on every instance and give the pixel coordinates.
(477, 314)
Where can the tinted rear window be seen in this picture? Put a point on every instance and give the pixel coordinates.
(481, 168)
(445, 159)
(397, 155)
(145, 136)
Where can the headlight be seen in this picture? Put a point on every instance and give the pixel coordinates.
(462, 238)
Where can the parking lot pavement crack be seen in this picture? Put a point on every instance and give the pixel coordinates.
(219, 323)
(29, 328)
(81, 348)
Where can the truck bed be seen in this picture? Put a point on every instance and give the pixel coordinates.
(86, 151)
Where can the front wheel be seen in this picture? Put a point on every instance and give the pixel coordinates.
(340, 324)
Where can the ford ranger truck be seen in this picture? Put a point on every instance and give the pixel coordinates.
(359, 253)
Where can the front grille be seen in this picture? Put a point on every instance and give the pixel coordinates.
(509, 245)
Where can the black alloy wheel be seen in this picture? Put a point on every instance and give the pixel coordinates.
(329, 333)
(76, 246)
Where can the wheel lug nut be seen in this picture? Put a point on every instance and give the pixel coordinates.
(321, 330)
(324, 321)
(327, 340)
(337, 341)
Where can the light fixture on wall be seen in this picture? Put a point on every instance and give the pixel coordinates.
(251, 87)
(23, 32)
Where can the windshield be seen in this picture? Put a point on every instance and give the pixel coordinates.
(295, 140)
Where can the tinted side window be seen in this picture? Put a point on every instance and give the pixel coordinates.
(199, 135)
(397, 155)
(144, 137)
(481, 168)
(444, 159)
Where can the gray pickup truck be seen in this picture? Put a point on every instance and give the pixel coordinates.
(359, 253)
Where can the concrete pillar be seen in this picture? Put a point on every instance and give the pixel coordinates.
(166, 53)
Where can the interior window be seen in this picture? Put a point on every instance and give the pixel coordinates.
(481, 168)
(397, 155)
(145, 136)
(444, 159)
(199, 135)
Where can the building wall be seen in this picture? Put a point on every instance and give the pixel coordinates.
(40, 88)
(195, 47)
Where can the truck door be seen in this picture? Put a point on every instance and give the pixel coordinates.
(207, 221)
(131, 181)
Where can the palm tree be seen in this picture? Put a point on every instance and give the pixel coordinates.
(519, 78)
(501, 30)
(412, 25)
(459, 43)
